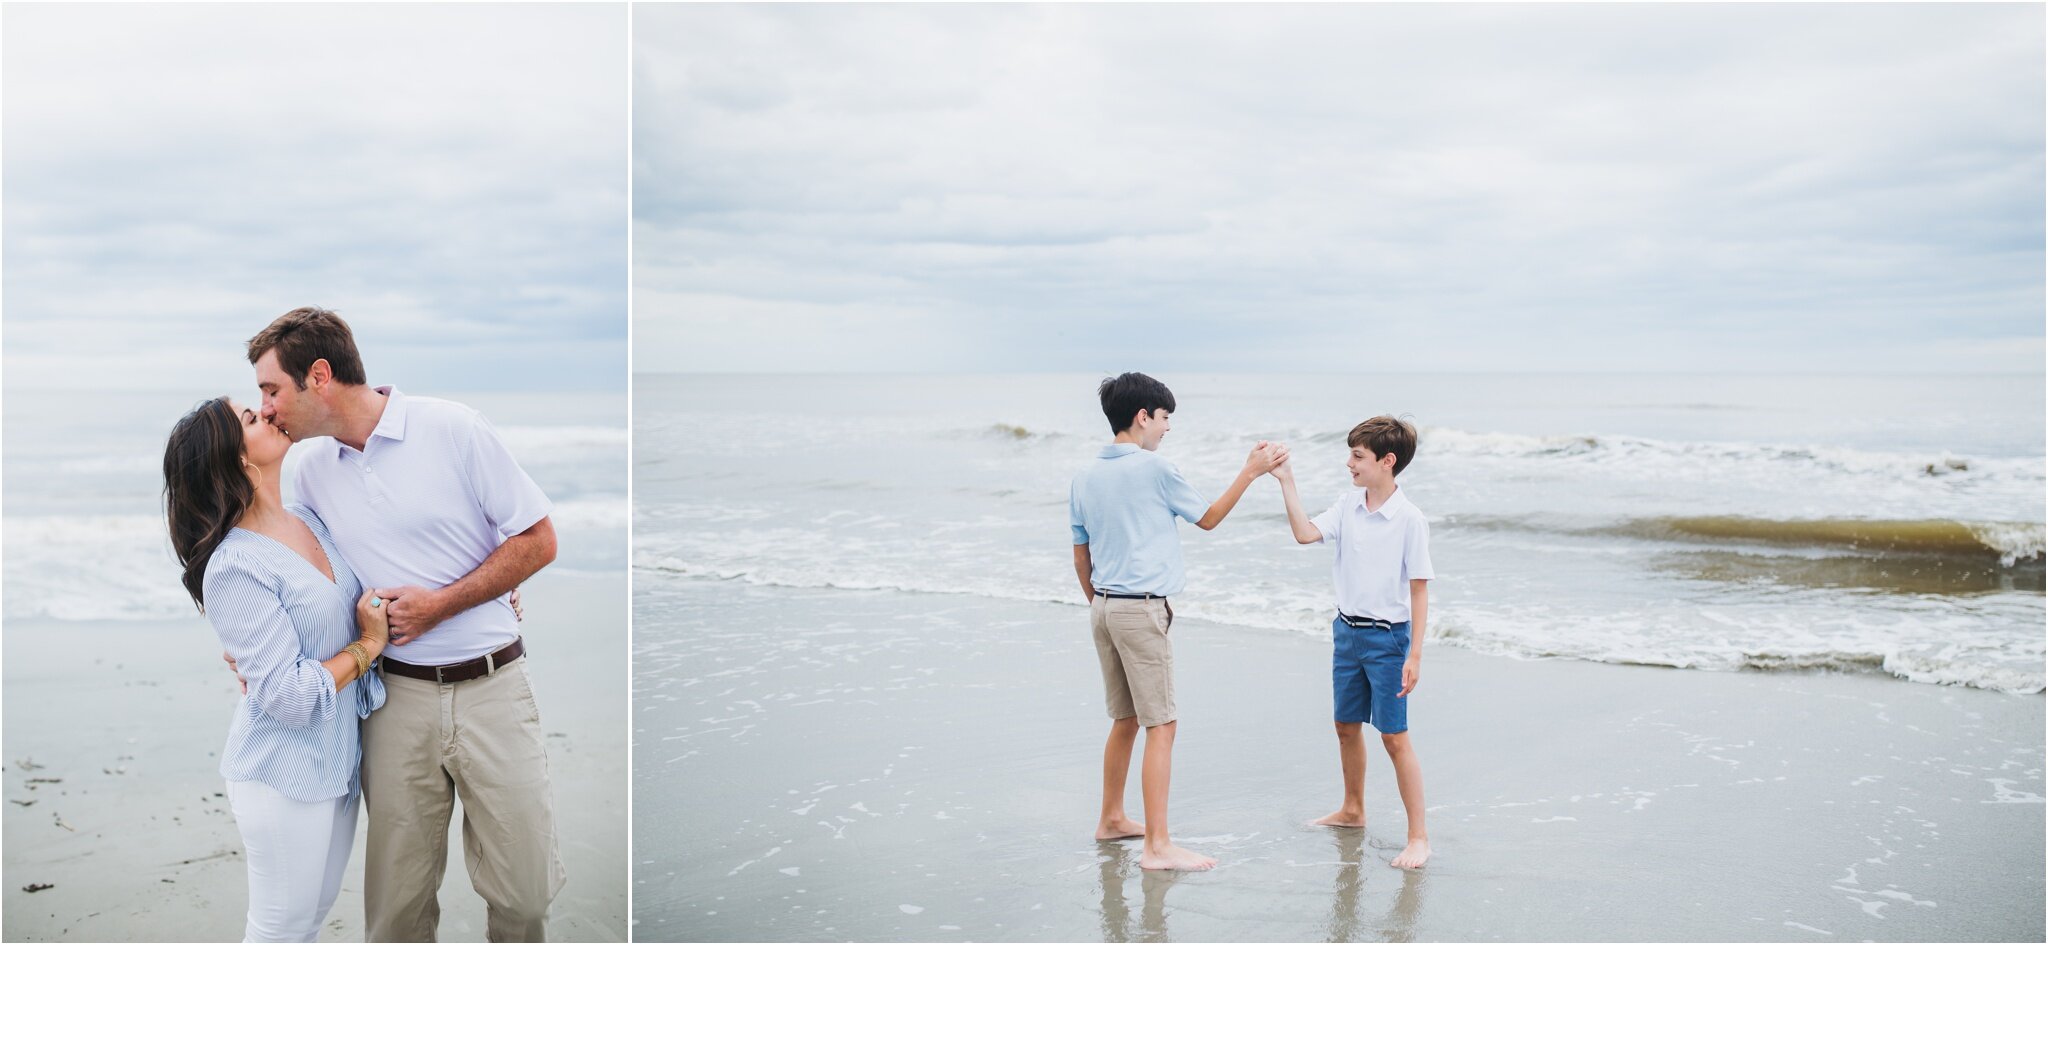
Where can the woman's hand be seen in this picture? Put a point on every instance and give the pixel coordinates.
(372, 620)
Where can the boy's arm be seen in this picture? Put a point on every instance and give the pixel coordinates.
(1264, 458)
(1085, 567)
(1418, 622)
(1305, 532)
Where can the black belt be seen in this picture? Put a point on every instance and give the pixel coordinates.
(487, 664)
(1128, 595)
(1368, 622)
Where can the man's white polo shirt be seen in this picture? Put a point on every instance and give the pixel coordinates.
(432, 494)
(1378, 553)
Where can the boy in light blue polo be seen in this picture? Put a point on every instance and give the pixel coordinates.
(1124, 508)
(1382, 578)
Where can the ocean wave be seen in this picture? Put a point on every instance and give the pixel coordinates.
(1956, 648)
(2006, 541)
(1629, 454)
(1976, 541)
(121, 567)
(104, 567)
(1903, 652)
(530, 436)
(591, 513)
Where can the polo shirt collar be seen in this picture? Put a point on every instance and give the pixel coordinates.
(1386, 509)
(1119, 450)
(392, 424)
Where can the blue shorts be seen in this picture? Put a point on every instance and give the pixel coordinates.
(1365, 675)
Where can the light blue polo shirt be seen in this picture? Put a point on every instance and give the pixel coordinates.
(1122, 506)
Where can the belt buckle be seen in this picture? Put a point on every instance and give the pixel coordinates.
(438, 669)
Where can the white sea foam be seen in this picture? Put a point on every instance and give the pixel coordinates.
(563, 440)
(591, 513)
(106, 567)
(1943, 642)
(2012, 540)
(121, 567)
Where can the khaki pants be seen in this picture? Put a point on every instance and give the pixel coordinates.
(429, 744)
(1137, 658)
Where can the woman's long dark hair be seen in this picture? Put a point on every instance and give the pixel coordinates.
(205, 487)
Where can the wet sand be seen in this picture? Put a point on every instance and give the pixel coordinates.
(114, 798)
(840, 765)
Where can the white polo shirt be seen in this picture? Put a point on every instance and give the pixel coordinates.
(432, 493)
(1378, 553)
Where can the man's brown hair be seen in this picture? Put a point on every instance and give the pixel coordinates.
(304, 335)
(1385, 435)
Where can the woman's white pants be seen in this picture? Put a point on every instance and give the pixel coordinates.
(297, 852)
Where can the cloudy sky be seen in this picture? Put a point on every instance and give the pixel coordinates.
(452, 179)
(1319, 188)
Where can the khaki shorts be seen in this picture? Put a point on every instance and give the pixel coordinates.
(1137, 657)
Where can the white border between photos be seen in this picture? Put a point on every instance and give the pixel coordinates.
(1255, 992)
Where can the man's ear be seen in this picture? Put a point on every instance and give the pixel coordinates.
(320, 373)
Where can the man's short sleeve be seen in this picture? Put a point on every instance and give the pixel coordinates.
(1415, 551)
(1181, 496)
(1074, 513)
(1332, 519)
(510, 499)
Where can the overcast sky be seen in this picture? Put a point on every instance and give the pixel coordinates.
(1339, 188)
(451, 179)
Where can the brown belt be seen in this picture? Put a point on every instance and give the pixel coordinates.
(463, 672)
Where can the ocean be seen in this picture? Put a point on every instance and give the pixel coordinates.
(1878, 524)
(83, 511)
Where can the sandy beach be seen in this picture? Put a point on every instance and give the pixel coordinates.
(816, 764)
(116, 806)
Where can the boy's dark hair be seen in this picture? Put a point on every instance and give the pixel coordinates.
(1385, 435)
(1126, 394)
(307, 334)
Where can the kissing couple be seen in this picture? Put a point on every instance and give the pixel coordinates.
(371, 621)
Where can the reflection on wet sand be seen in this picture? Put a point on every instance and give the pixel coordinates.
(1346, 926)
(1120, 862)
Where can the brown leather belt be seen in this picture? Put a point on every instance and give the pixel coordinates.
(463, 672)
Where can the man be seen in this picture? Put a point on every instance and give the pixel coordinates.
(432, 512)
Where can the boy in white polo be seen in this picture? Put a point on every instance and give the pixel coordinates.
(431, 511)
(1382, 578)
(1123, 508)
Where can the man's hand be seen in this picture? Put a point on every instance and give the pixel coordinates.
(516, 614)
(1411, 673)
(230, 658)
(413, 611)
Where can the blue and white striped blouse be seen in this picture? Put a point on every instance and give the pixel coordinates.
(280, 617)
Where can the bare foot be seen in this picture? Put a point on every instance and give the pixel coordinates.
(1174, 858)
(1413, 856)
(1340, 818)
(1122, 827)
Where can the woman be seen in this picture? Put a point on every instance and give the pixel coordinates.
(303, 634)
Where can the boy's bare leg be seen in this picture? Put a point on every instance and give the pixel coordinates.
(1116, 770)
(1160, 852)
(1408, 776)
(1351, 753)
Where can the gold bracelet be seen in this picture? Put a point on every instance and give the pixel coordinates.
(362, 658)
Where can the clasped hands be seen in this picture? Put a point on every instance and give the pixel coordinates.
(1268, 457)
(402, 622)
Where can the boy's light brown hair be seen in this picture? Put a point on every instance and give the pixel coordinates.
(1385, 435)
(304, 335)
